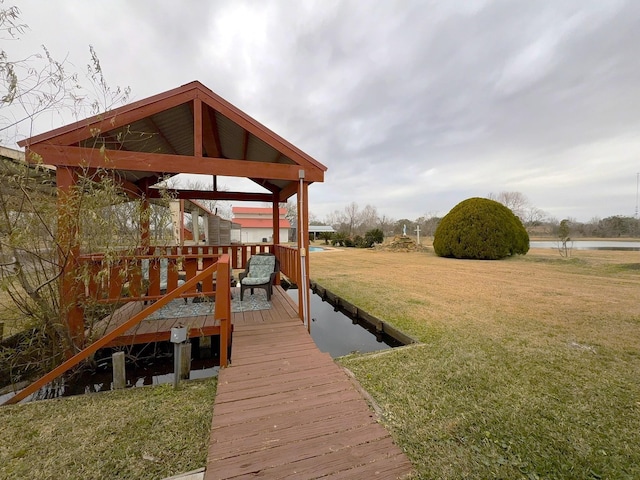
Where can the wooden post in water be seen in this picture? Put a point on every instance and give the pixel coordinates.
(185, 360)
(178, 336)
(119, 371)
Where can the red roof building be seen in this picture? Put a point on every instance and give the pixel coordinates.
(257, 224)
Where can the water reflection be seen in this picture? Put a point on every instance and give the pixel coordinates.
(590, 245)
(337, 334)
(145, 366)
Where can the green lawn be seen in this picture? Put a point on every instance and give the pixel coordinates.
(139, 433)
(529, 367)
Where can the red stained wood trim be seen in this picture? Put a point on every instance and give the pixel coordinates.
(197, 128)
(69, 250)
(209, 195)
(210, 137)
(265, 184)
(288, 191)
(256, 128)
(153, 162)
(127, 114)
(164, 336)
(245, 145)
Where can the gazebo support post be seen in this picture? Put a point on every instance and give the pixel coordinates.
(68, 250)
(275, 212)
(303, 249)
(145, 231)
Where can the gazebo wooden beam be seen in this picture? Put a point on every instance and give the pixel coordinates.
(210, 138)
(212, 195)
(288, 191)
(154, 162)
(197, 127)
(132, 190)
(264, 183)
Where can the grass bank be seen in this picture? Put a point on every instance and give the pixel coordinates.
(140, 433)
(529, 367)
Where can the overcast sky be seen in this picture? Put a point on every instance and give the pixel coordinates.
(413, 106)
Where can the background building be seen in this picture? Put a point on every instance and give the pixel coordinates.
(257, 224)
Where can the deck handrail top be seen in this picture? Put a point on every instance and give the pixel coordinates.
(101, 256)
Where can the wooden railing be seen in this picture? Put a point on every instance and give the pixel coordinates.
(289, 262)
(148, 274)
(222, 313)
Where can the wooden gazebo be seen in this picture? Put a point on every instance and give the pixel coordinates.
(189, 130)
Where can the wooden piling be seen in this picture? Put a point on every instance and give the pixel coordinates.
(119, 371)
(185, 360)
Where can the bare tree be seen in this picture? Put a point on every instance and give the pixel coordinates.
(519, 204)
(336, 219)
(219, 207)
(386, 224)
(292, 212)
(368, 219)
(33, 251)
(352, 217)
(515, 201)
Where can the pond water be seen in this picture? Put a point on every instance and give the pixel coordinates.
(151, 368)
(337, 334)
(333, 332)
(590, 245)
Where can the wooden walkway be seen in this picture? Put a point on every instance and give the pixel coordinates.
(286, 410)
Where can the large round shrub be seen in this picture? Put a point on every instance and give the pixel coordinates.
(481, 229)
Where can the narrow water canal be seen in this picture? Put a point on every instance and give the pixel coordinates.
(337, 334)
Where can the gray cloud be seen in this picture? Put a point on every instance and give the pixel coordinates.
(413, 106)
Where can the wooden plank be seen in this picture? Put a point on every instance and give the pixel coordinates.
(261, 358)
(293, 434)
(285, 410)
(259, 389)
(238, 416)
(254, 462)
(342, 461)
(393, 466)
(223, 433)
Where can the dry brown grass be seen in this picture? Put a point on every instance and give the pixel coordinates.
(579, 299)
(529, 365)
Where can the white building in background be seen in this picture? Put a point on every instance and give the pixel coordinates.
(257, 224)
(316, 230)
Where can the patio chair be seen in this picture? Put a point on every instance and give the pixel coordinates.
(260, 272)
(164, 266)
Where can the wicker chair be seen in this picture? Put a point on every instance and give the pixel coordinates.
(261, 272)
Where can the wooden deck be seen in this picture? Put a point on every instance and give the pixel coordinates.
(157, 330)
(286, 410)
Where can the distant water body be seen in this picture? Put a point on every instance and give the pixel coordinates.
(590, 245)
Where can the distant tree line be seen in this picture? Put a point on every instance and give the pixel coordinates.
(353, 221)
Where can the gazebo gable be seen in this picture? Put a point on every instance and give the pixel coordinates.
(189, 129)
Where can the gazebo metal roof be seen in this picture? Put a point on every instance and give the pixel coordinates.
(189, 129)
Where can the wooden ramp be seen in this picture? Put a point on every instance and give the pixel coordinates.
(286, 410)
